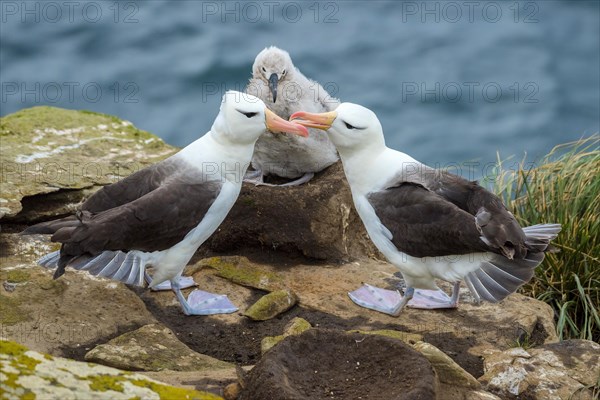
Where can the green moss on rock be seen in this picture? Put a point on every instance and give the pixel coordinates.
(17, 276)
(240, 271)
(171, 392)
(104, 383)
(10, 311)
(295, 327)
(11, 348)
(271, 305)
(15, 363)
(45, 149)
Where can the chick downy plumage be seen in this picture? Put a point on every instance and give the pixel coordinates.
(285, 90)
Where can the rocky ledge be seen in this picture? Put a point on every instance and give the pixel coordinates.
(285, 256)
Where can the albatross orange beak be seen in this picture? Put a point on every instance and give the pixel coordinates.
(277, 124)
(321, 121)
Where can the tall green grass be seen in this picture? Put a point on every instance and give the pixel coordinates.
(564, 187)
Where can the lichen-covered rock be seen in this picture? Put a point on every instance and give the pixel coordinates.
(29, 374)
(446, 369)
(213, 381)
(48, 149)
(295, 327)
(566, 370)
(152, 348)
(242, 272)
(271, 305)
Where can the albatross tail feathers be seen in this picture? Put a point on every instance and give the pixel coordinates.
(51, 227)
(128, 267)
(499, 276)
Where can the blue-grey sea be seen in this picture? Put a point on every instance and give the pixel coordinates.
(451, 81)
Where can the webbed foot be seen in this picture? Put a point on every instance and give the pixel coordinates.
(391, 302)
(200, 302)
(254, 177)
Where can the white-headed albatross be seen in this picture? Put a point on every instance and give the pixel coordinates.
(429, 223)
(160, 215)
(285, 90)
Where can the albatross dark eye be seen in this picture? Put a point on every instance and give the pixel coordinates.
(248, 114)
(283, 73)
(264, 69)
(352, 127)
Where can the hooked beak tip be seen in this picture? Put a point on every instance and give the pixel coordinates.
(276, 124)
(321, 121)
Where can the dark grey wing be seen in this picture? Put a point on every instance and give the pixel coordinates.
(424, 224)
(132, 187)
(497, 225)
(154, 222)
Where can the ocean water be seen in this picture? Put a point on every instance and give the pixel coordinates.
(451, 81)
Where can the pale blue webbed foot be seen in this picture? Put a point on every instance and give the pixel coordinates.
(200, 302)
(255, 177)
(391, 302)
(184, 283)
(435, 299)
(303, 179)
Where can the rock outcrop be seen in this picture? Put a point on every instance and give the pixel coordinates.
(64, 317)
(321, 364)
(294, 327)
(53, 158)
(152, 348)
(316, 220)
(304, 240)
(465, 333)
(564, 370)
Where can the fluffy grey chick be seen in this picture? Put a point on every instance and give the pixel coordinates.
(285, 90)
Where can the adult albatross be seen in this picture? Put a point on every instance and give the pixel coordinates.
(429, 223)
(285, 90)
(160, 215)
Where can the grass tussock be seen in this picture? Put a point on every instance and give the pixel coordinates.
(564, 187)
